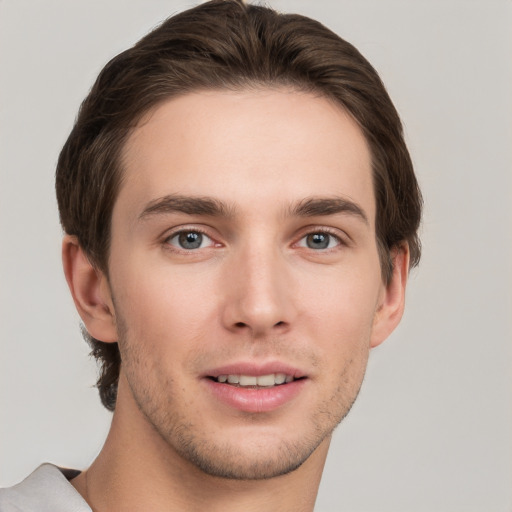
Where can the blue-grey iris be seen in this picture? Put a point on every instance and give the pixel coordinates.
(190, 239)
(318, 240)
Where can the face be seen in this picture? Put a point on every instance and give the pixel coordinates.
(244, 276)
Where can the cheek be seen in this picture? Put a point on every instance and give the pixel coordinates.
(343, 301)
(339, 316)
(343, 340)
(164, 306)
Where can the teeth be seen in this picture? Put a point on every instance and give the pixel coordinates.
(246, 380)
(280, 378)
(267, 381)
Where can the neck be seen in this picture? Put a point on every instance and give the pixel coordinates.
(137, 470)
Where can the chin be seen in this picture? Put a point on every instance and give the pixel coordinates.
(253, 461)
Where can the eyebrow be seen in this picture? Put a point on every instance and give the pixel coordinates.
(186, 204)
(312, 207)
(211, 207)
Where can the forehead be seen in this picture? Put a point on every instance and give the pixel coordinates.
(246, 148)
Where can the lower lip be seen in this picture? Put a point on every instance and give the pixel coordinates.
(255, 400)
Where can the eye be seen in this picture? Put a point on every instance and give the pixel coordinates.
(190, 240)
(319, 241)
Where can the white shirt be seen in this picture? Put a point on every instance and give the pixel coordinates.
(47, 489)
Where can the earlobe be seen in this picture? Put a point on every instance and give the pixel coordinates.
(90, 291)
(392, 302)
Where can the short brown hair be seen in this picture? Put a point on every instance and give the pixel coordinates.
(226, 44)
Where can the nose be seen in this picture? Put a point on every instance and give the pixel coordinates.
(259, 295)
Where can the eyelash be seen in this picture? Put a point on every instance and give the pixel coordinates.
(322, 231)
(182, 231)
(314, 231)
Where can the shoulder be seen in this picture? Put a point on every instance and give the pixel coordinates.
(47, 489)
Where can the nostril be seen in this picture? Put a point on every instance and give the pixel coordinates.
(240, 324)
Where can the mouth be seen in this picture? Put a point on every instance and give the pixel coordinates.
(255, 381)
(254, 388)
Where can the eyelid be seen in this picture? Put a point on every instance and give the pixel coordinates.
(204, 239)
(172, 233)
(342, 238)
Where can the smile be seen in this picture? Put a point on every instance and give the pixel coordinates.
(255, 388)
(264, 381)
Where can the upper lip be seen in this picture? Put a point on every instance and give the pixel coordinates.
(255, 369)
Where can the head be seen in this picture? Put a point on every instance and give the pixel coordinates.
(227, 46)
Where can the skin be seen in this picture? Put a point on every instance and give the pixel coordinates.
(257, 290)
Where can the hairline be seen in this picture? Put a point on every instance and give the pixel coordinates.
(241, 86)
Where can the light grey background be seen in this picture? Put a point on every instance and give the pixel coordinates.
(432, 429)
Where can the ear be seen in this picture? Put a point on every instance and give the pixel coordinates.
(391, 303)
(90, 290)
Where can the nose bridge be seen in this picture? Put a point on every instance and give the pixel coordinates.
(261, 287)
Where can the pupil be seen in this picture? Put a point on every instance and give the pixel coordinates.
(190, 240)
(318, 241)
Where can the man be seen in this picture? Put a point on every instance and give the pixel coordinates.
(241, 214)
